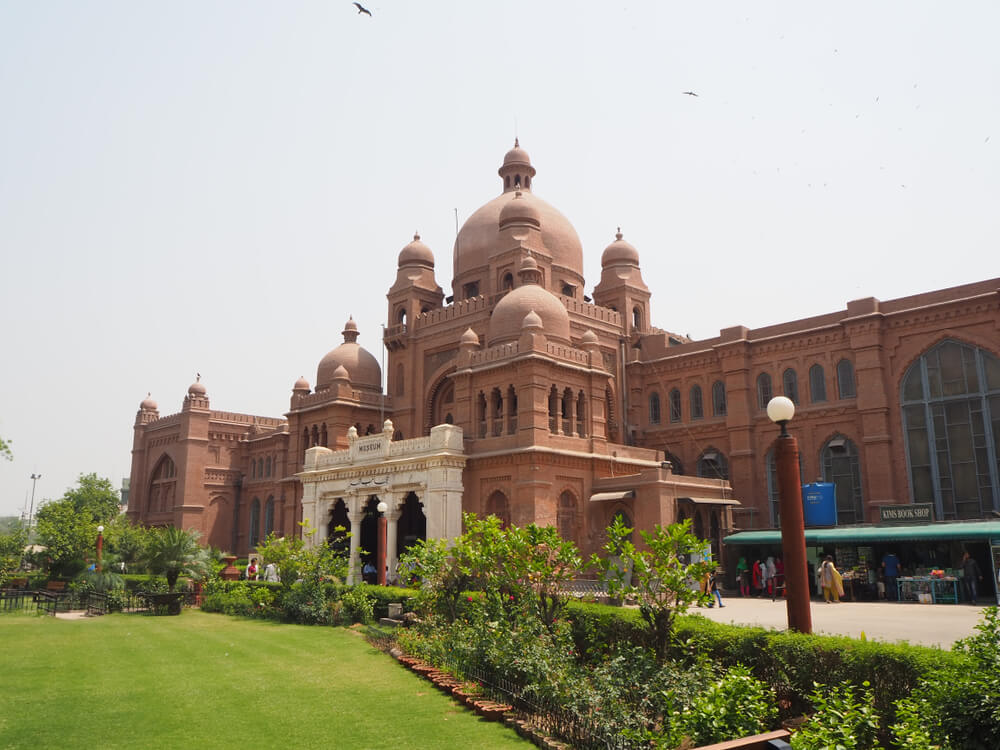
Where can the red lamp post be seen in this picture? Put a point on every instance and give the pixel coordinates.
(100, 546)
(383, 525)
(793, 532)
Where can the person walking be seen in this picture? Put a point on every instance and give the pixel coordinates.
(830, 580)
(757, 574)
(971, 575)
(713, 587)
(251, 571)
(770, 572)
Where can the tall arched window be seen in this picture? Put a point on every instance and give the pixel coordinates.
(637, 318)
(839, 461)
(162, 486)
(566, 516)
(581, 414)
(697, 409)
(481, 413)
(511, 410)
(260, 468)
(267, 466)
(508, 281)
(718, 399)
(817, 384)
(268, 517)
(713, 464)
(675, 405)
(254, 522)
(845, 379)
(790, 385)
(764, 392)
(951, 421)
(654, 408)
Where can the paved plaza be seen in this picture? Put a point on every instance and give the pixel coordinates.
(926, 624)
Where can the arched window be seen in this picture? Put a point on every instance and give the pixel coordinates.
(654, 408)
(481, 413)
(496, 412)
(713, 464)
(637, 318)
(817, 384)
(267, 467)
(401, 317)
(764, 392)
(675, 405)
(581, 414)
(498, 505)
(305, 439)
(790, 385)
(260, 468)
(839, 461)
(162, 486)
(718, 399)
(254, 522)
(268, 517)
(508, 279)
(315, 435)
(951, 422)
(323, 435)
(511, 410)
(697, 409)
(553, 409)
(845, 379)
(566, 516)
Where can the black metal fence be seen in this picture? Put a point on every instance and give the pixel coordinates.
(548, 717)
(94, 603)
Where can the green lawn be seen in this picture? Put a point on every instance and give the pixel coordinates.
(210, 681)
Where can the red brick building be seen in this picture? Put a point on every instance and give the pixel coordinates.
(570, 407)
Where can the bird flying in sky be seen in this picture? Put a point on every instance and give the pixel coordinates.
(362, 9)
(689, 93)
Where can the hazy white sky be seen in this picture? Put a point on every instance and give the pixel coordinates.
(214, 187)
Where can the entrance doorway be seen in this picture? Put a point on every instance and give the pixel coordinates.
(412, 524)
(338, 529)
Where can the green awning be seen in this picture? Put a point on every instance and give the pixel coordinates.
(959, 530)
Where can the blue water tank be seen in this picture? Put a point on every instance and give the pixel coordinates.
(819, 504)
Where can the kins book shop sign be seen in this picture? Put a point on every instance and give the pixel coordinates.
(915, 513)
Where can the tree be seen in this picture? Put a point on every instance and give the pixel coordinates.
(539, 562)
(5, 451)
(68, 527)
(11, 550)
(295, 561)
(660, 577)
(127, 541)
(174, 552)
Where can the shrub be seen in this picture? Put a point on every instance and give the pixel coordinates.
(358, 605)
(737, 705)
(843, 720)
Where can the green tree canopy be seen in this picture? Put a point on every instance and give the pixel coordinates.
(68, 527)
(5, 451)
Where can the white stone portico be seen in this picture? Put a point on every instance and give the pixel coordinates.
(376, 466)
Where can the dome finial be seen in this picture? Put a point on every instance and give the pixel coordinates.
(618, 234)
(416, 235)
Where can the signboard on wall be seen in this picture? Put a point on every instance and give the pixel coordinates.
(913, 513)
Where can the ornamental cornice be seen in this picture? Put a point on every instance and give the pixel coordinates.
(925, 316)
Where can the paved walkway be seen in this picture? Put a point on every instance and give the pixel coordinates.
(926, 624)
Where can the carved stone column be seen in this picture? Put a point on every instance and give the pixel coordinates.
(392, 515)
(355, 515)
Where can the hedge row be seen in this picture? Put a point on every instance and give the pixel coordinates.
(790, 662)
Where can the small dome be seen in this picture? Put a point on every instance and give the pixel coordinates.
(531, 320)
(510, 312)
(416, 254)
(197, 388)
(519, 211)
(148, 404)
(516, 155)
(341, 373)
(469, 337)
(387, 426)
(301, 384)
(619, 252)
(589, 338)
(360, 366)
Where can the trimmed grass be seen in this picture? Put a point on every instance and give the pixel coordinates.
(211, 681)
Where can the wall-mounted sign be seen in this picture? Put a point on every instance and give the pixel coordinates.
(914, 513)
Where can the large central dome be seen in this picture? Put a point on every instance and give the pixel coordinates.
(479, 239)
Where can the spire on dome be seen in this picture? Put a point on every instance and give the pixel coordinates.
(350, 331)
(516, 170)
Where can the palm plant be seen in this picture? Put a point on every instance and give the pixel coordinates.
(174, 552)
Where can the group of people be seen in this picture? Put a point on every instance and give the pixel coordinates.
(764, 577)
(252, 572)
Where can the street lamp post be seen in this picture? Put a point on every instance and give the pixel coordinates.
(793, 533)
(383, 525)
(31, 510)
(100, 546)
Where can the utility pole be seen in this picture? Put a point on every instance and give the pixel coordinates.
(31, 511)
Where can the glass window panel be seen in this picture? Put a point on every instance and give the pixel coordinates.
(971, 371)
(817, 383)
(952, 370)
(913, 386)
(923, 485)
(992, 367)
(845, 378)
